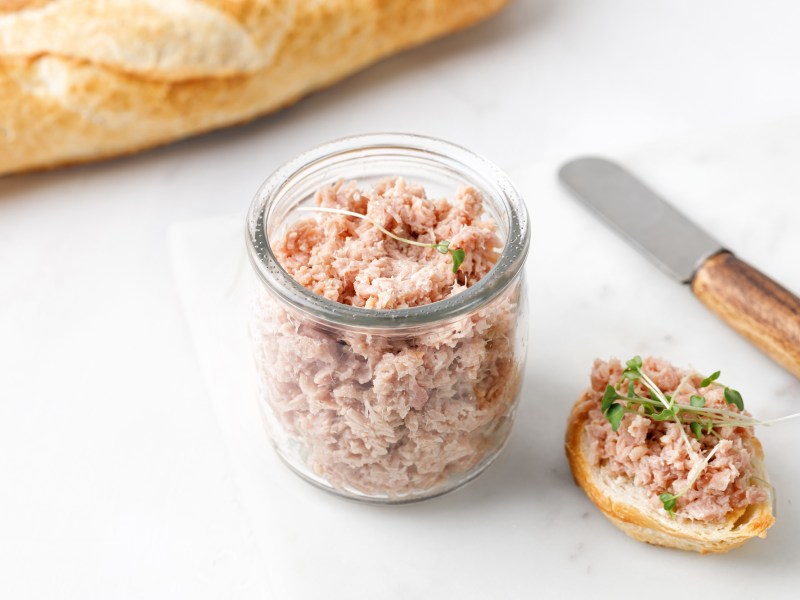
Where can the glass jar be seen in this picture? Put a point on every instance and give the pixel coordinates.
(335, 380)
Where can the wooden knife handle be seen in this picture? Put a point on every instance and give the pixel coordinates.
(760, 309)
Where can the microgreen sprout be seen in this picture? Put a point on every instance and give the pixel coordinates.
(734, 397)
(658, 406)
(442, 247)
(697, 430)
(711, 378)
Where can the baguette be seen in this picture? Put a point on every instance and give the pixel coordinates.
(631, 509)
(82, 80)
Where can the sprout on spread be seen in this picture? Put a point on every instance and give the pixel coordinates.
(659, 406)
(442, 247)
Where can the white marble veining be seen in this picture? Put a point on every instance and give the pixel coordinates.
(116, 479)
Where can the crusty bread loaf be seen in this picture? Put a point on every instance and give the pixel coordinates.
(629, 508)
(87, 79)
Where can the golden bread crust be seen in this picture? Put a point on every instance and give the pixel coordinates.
(75, 86)
(647, 525)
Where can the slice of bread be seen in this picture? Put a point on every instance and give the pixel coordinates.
(629, 507)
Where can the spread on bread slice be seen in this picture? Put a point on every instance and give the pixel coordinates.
(669, 456)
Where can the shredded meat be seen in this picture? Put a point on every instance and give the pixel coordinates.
(349, 260)
(654, 454)
(386, 414)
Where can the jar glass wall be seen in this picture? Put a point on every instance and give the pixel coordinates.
(388, 405)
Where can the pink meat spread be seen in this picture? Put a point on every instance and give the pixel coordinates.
(388, 414)
(349, 260)
(654, 454)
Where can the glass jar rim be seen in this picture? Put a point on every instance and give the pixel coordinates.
(272, 274)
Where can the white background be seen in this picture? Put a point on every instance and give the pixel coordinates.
(114, 478)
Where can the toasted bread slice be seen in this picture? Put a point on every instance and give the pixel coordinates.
(629, 507)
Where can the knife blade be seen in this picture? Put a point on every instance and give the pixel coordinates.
(762, 310)
(676, 245)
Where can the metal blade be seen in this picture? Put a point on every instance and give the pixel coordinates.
(665, 236)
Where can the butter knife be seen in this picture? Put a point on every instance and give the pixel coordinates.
(757, 307)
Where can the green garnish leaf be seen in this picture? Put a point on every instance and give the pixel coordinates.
(458, 257)
(697, 430)
(664, 415)
(635, 363)
(697, 401)
(631, 374)
(734, 397)
(707, 381)
(631, 391)
(668, 500)
(457, 253)
(614, 415)
(608, 398)
(442, 246)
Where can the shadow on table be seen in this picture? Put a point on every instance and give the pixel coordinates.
(532, 470)
(531, 479)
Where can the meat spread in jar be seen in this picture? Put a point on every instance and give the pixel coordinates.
(389, 414)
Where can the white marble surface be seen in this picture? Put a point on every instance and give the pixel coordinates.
(523, 526)
(115, 477)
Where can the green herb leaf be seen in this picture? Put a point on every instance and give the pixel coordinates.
(697, 430)
(708, 380)
(697, 401)
(442, 246)
(614, 415)
(608, 398)
(635, 363)
(631, 390)
(734, 397)
(668, 500)
(458, 257)
(664, 415)
(630, 374)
